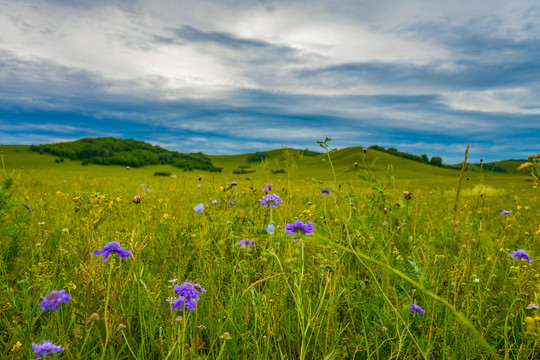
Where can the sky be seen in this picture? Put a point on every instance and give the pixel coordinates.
(229, 77)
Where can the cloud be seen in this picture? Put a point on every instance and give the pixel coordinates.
(244, 76)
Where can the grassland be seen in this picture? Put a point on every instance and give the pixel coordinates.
(342, 293)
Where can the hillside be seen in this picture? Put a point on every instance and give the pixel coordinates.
(127, 152)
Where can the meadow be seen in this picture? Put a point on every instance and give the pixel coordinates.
(405, 260)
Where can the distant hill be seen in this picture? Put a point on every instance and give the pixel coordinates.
(128, 152)
(502, 167)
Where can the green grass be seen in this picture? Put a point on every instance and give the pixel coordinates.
(343, 293)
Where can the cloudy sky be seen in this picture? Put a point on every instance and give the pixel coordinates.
(226, 77)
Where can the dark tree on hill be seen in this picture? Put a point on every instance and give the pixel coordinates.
(425, 158)
(436, 160)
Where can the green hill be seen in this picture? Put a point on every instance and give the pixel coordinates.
(127, 152)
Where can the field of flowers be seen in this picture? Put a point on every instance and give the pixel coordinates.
(214, 266)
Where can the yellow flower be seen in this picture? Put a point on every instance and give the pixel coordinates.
(165, 216)
(519, 207)
(118, 199)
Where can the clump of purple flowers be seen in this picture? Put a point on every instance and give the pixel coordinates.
(325, 191)
(270, 201)
(189, 295)
(299, 228)
(46, 348)
(54, 298)
(112, 248)
(416, 309)
(246, 243)
(505, 212)
(521, 254)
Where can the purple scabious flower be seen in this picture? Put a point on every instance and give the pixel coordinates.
(266, 190)
(416, 309)
(54, 298)
(298, 228)
(231, 202)
(189, 295)
(270, 228)
(112, 248)
(199, 207)
(146, 189)
(270, 201)
(521, 254)
(214, 202)
(505, 212)
(246, 243)
(325, 191)
(532, 306)
(46, 348)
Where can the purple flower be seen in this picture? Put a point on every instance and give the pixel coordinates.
(112, 248)
(521, 254)
(270, 228)
(199, 207)
(231, 202)
(325, 191)
(46, 348)
(146, 189)
(505, 212)
(269, 186)
(298, 228)
(532, 306)
(246, 243)
(214, 202)
(416, 309)
(189, 295)
(54, 298)
(270, 201)
(266, 190)
(198, 186)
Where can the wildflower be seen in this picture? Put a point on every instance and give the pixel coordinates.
(137, 199)
(325, 191)
(476, 280)
(198, 186)
(355, 164)
(246, 243)
(199, 207)
(54, 298)
(200, 177)
(173, 280)
(146, 189)
(532, 306)
(214, 202)
(226, 336)
(112, 248)
(270, 201)
(266, 190)
(46, 348)
(308, 203)
(165, 216)
(234, 183)
(416, 309)
(364, 149)
(521, 254)
(407, 195)
(270, 228)
(298, 227)
(231, 202)
(189, 295)
(269, 186)
(201, 327)
(505, 212)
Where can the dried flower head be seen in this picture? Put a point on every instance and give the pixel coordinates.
(137, 199)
